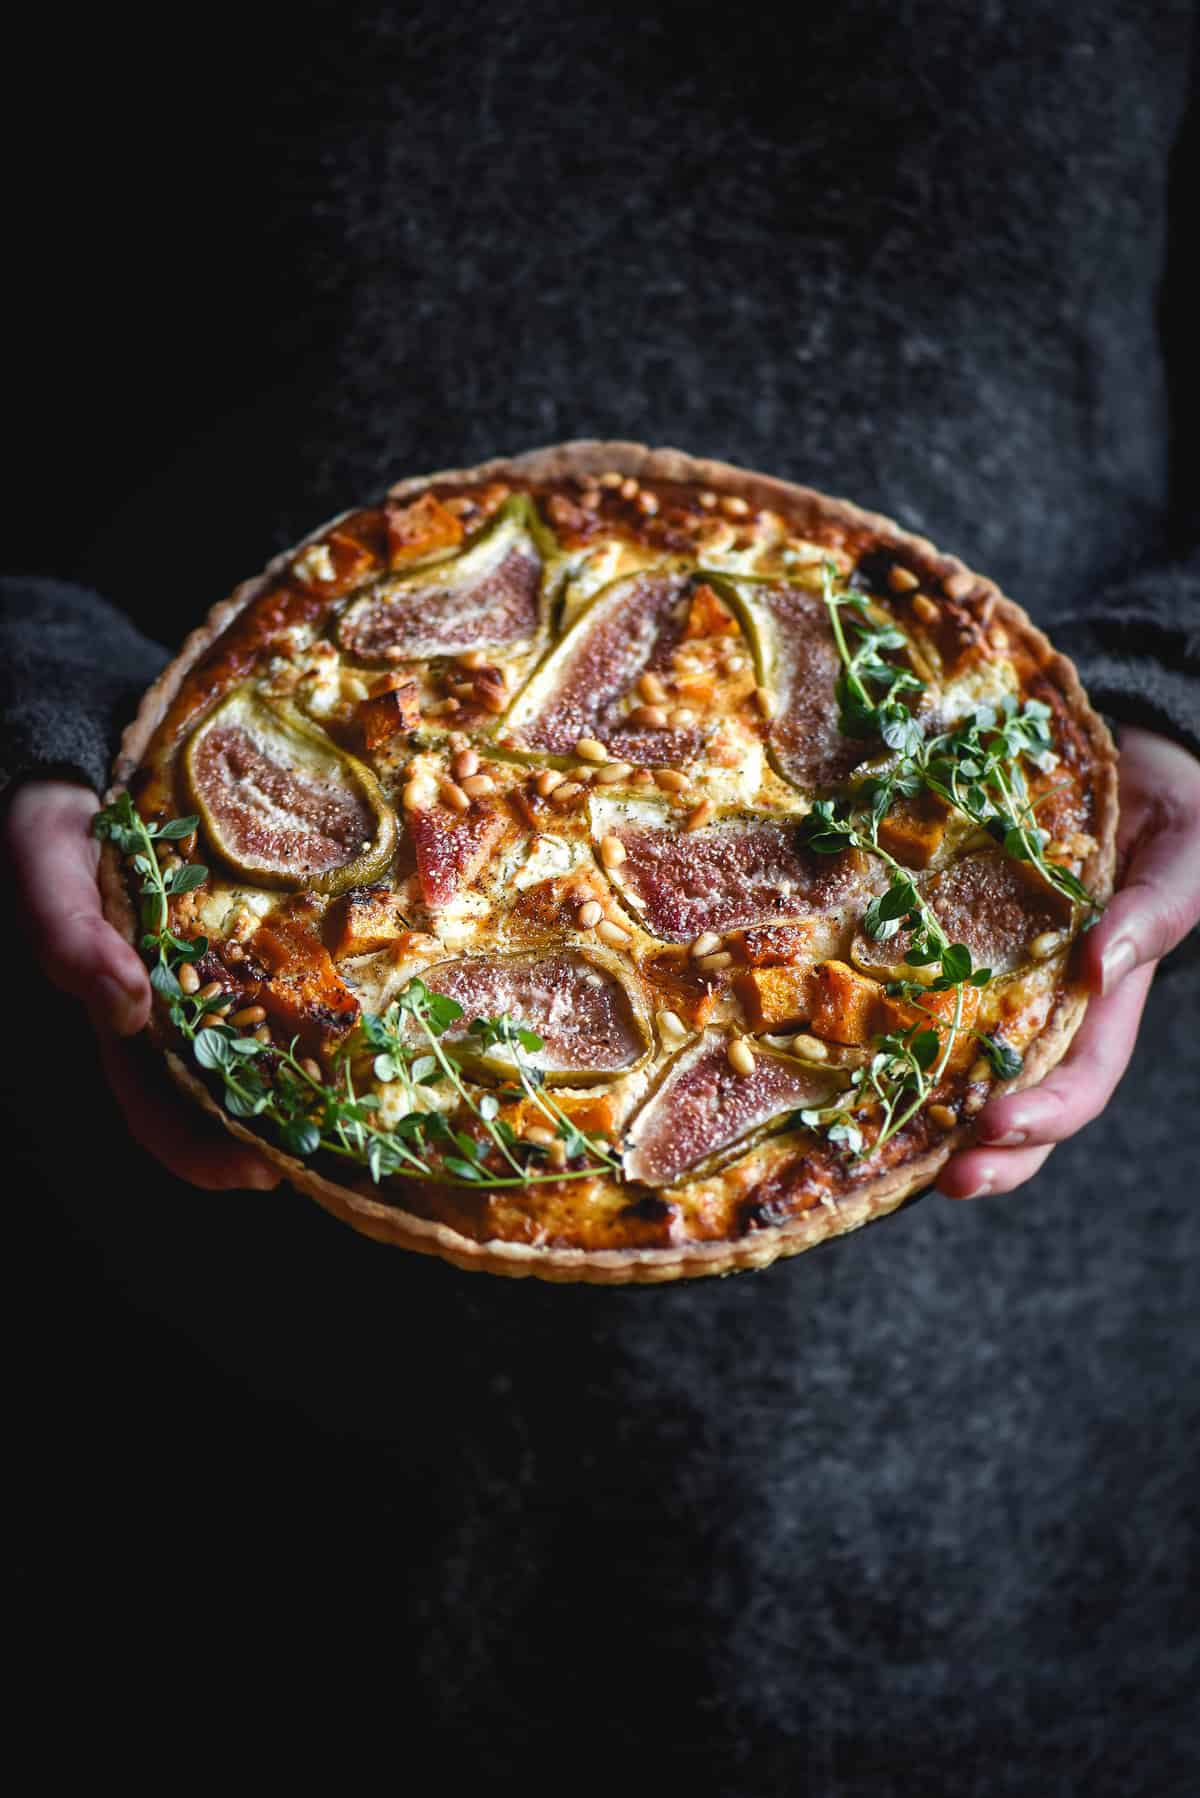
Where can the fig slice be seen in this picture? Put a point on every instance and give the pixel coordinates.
(702, 1108)
(586, 687)
(993, 904)
(591, 1026)
(281, 804)
(489, 597)
(798, 664)
(740, 870)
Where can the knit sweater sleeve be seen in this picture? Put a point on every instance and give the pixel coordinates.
(72, 669)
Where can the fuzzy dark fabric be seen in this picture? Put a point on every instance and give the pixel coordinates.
(913, 1514)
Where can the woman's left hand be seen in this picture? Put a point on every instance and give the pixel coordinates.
(1156, 904)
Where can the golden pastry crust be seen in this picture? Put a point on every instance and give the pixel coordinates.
(782, 1193)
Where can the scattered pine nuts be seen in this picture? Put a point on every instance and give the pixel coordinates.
(701, 815)
(628, 488)
(538, 1133)
(902, 580)
(714, 964)
(189, 980)
(463, 689)
(610, 478)
(611, 933)
(650, 717)
(465, 763)
(1045, 944)
(473, 659)
(613, 772)
(734, 506)
(647, 503)
(476, 785)
(557, 1153)
(671, 1026)
(705, 943)
(311, 1068)
(612, 852)
(670, 780)
(980, 1070)
(707, 499)
(263, 1034)
(810, 1048)
(416, 796)
(250, 1014)
(943, 1117)
(925, 609)
(740, 1056)
(589, 749)
(211, 990)
(651, 688)
(567, 793)
(590, 913)
(454, 796)
(547, 780)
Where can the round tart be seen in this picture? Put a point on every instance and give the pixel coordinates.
(611, 866)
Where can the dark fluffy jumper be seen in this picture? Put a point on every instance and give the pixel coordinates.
(898, 1513)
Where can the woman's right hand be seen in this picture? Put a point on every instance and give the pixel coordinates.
(47, 830)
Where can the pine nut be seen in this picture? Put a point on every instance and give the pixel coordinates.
(902, 580)
(628, 488)
(590, 913)
(611, 933)
(263, 1034)
(312, 1068)
(538, 1133)
(547, 780)
(1045, 944)
(416, 796)
(925, 609)
(458, 741)
(943, 1117)
(211, 990)
(613, 772)
(651, 688)
(491, 697)
(589, 749)
(472, 659)
(705, 943)
(454, 796)
(980, 1070)
(465, 763)
(701, 815)
(671, 1026)
(463, 689)
(683, 714)
(707, 499)
(612, 852)
(557, 1155)
(734, 506)
(647, 503)
(189, 980)
(610, 478)
(250, 1014)
(649, 717)
(740, 1056)
(476, 785)
(810, 1048)
(764, 702)
(713, 964)
(568, 793)
(670, 780)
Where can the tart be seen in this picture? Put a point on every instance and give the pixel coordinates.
(608, 865)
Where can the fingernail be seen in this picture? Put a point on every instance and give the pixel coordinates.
(1009, 1140)
(1119, 959)
(976, 1192)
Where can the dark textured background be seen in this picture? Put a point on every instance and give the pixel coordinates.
(914, 1513)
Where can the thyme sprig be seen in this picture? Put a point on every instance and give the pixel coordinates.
(458, 1145)
(868, 688)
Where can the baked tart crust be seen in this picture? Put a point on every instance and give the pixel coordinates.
(580, 609)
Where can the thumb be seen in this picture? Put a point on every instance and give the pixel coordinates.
(1159, 899)
(48, 830)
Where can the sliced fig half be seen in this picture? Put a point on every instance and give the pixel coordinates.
(703, 1108)
(993, 904)
(591, 1026)
(586, 688)
(281, 804)
(739, 870)
(489, 597)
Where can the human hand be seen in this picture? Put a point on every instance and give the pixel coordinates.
(1156, 904)
(47, 831)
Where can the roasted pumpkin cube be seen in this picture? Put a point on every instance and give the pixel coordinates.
(593, 1113)
(708, 615)
(303, 992)
(420, 529)
(387, 714)
(845, 1005)
(774, 997)
(935, 1011)
(914, 828)
(363, 920)
(769, 945)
